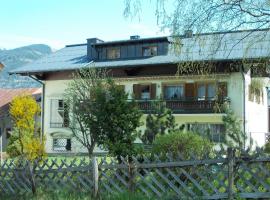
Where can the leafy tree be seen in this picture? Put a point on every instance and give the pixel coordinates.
(101, 114)
(161, 122)
(25, 138)
(181, 17)
(84, 116)
(119, 120)
(185, 143)
(206, 15)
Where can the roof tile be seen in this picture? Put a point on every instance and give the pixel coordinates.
(222, 46)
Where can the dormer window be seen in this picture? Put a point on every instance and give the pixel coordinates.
(113, 53)
(149, 51)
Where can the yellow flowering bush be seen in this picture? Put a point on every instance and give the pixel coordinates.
(23, 110)
(25, 138)
(35, 149)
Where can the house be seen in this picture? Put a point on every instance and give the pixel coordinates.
(6, 96)
(149, 69)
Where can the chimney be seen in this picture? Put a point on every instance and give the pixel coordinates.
(134, 37)
(91, 52)
(188, 33)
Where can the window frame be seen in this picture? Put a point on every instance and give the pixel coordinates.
(150, 49)
(141, 91)
(206, 84)
(211, 138)
(65, 118)
(114, 53)
(173, 85)
(67, 147)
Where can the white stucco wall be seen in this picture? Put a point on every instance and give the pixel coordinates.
(257, 115)
(256, 120)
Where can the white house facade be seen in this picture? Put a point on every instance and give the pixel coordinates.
(148, 69)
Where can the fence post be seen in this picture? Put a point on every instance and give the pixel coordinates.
(31, 177)
(131, 172)
(95, 175)
(231, 162)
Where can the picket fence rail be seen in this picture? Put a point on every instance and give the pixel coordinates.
(222, 175)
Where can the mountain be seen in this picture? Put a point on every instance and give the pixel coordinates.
(18, 57)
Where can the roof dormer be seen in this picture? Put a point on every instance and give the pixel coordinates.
(134, 48)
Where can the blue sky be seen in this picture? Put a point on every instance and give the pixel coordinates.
(61, 22)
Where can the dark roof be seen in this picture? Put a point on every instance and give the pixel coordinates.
(218, 46)
(153, 39)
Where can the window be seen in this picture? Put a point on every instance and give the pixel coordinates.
(206, 91)
(215, 132)
(211, 91)
(173, 92)
(62, 144)
(59, 114)
(145, 92)
(149, 51)
(113, 53)
(201, 92)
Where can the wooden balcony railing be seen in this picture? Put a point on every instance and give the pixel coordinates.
(182, 106)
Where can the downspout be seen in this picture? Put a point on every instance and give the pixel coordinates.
(42, 103)
(244, 98)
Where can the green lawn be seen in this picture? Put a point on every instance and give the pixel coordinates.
(65, 195)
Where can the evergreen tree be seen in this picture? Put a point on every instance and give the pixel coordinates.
(235, 137)
(160, 122)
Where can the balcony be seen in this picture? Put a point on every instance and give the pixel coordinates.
(187, 106)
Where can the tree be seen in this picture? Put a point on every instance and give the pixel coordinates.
(234, 135)
(25, 137)
(101, 114)
(201, 16)
(206, 15)
(84, 118)
(161, 122)
(119, 120)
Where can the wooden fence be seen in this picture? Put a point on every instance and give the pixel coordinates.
(215, 176)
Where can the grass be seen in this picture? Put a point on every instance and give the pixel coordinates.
(67, 195)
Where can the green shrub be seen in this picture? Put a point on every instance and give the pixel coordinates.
(185, 143)
(267, 147)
